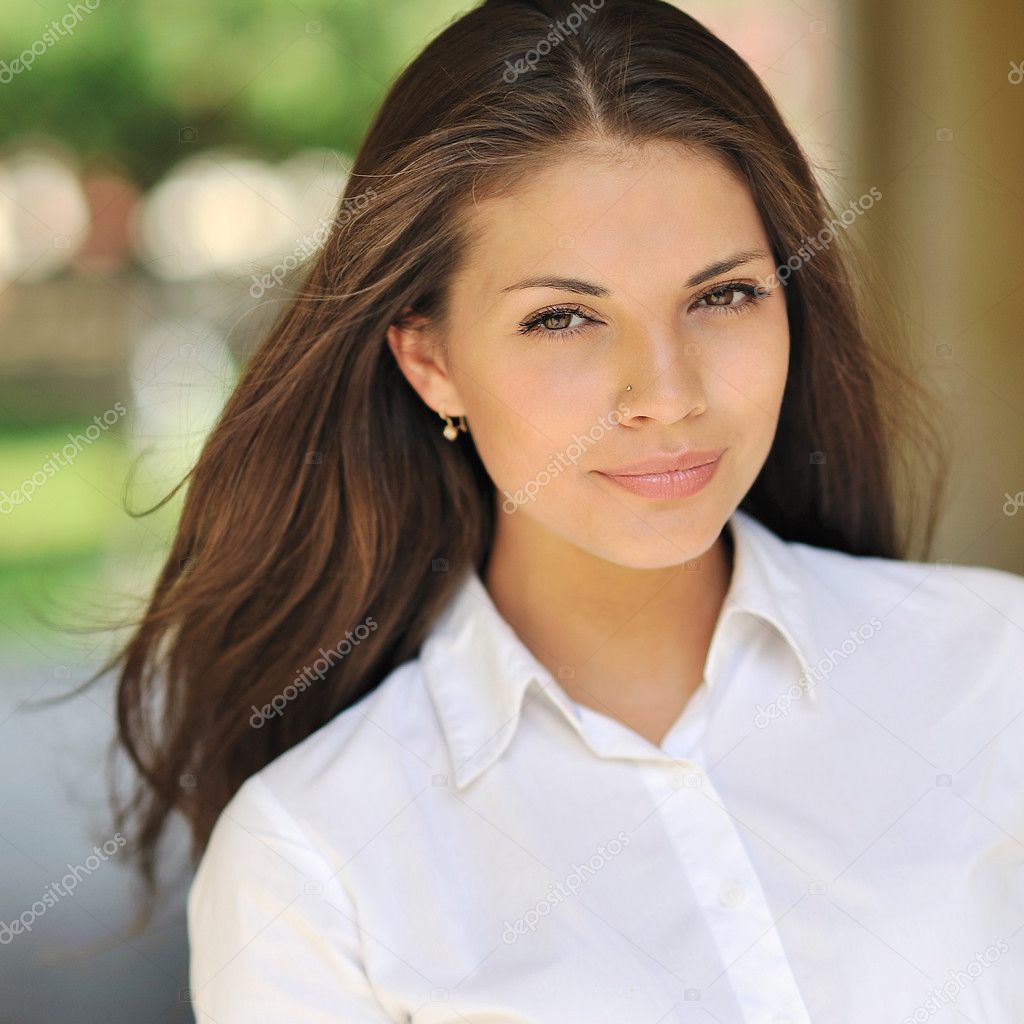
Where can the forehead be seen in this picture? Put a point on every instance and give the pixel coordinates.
(660, 209)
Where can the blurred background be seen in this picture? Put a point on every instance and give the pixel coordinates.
(161, 168)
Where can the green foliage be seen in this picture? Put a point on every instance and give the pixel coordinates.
(125, 82)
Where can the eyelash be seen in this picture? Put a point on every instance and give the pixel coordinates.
(755, 295)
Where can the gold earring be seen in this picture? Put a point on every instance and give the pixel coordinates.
(451, 431)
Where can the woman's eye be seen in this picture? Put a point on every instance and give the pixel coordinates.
(556, 322)
(718, 298)
(733, 298)
(559, 323)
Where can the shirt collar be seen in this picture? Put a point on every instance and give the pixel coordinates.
(477, 669)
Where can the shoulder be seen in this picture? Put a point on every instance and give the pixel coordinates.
(940, 634)
(926, 657)
(943, 590)
(373, 754)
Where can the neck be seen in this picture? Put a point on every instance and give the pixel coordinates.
(630, 643)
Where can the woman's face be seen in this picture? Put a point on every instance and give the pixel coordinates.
(540, 369)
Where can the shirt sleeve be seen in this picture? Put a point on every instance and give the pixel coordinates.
(272, 933)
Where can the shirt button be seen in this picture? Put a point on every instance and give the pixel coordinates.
(732, 895)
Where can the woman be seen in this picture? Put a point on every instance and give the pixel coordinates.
(538, 643)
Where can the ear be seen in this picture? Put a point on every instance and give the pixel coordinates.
(417, 350)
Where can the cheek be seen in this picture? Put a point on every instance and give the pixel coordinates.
(525, 409)
(749, 373)
(534, 423)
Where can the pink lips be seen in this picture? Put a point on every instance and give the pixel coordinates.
(667, 476)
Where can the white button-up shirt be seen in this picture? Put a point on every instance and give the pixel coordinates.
(832, 831)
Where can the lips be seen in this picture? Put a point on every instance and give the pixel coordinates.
(666, 463)
(689, 474)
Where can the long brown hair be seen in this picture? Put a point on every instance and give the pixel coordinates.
(326, 495)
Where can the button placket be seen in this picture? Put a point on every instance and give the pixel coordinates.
(727, 888)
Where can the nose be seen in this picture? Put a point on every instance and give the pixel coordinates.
(667, 375)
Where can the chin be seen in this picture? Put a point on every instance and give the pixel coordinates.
(639, 546)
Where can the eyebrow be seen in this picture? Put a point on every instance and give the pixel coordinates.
(572, 284)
